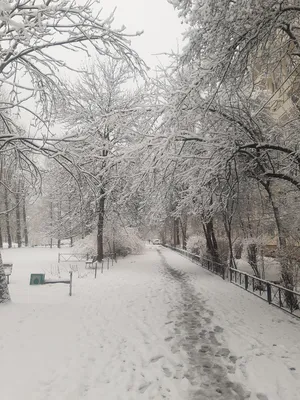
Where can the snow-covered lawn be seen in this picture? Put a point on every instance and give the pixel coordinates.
(154, 326)
(272, 268)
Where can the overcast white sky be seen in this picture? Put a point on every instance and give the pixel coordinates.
(161, 26)
(157, 18)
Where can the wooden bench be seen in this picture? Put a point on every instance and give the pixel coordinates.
(90, 263)
(7, 271)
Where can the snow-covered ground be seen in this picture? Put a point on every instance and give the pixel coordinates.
(264, 340)
(272, 268)
(154, 326)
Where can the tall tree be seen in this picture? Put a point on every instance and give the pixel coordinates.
(30, 33)
(102, 107)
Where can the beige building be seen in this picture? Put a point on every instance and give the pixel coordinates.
(282, 81)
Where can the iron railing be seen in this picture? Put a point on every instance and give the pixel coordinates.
(212, 266)
(279, 296)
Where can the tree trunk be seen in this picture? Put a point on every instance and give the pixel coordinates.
(281, 238)
(25, 222)
(163, 234)
(286, 271)
(70, 223)
(18, 217)
(263, 273)
(183, 224)
(228, 230)
(100, 226)
(7, 219)
(59, 222)
(211, 242)
(4, 292)
(238, 249)
(1, 237)
(176, 234)
(51, 224)
(252, 258)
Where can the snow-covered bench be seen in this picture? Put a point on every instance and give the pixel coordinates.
(7, 271)
(91, 262)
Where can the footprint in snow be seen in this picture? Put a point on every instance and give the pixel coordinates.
(261, 396)
(174, 349)
(144, 387)
(167, 372)
(218, 329)
(223, 352)
(233, 359)
(154, 359)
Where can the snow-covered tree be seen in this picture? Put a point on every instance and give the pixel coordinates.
(31, 33)
(103, 109)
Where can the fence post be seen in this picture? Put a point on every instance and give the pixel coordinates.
(96, 268)
(230, 274)
(58, 257)
(71, 278)
(280, 302)
(246, 282)
(224, 272)
(269, 293)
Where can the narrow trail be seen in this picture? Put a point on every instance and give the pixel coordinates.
(209, 359)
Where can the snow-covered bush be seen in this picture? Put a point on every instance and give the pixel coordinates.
(252, 254)
(121, 240)
(86, 245)
(196, 244)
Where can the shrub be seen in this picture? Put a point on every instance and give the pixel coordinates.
(121, 240)
(196, 245)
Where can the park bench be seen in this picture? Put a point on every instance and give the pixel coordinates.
(91, 262)
(7, 270)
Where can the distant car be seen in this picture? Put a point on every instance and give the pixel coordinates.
(156, 241)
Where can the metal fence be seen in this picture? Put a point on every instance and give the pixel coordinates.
(278, 296)
(212, 266)
(69, 257)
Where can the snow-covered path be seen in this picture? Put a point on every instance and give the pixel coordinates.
(265, 341)
(209, 362)
(154, 326)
